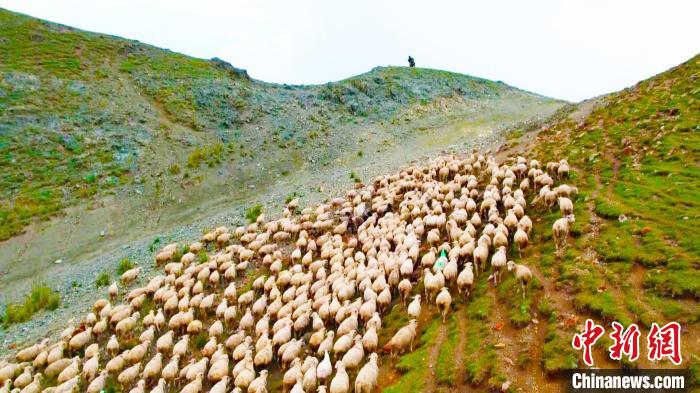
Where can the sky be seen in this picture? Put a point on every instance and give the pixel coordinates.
(569, 49)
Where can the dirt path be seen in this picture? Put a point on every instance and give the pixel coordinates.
(440, 337)
(506, 338)
(459, 350)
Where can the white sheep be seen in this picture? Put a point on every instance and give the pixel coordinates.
(465, 280)
(561, 228)
(366, 379)
(566, 206)
(522, 273)
(414, 307)
(521, 239)
(498, 262)
(402, 339)
(443, 301)
(341, 382)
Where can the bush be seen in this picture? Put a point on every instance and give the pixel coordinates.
(203, 257)
(200, 340)
(253, 212)
(124, 265)
(195, 158)
(174, 169)
(154, 245)
(41, 297)
(290, 197)
(102, 280)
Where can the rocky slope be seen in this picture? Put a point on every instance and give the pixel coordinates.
(106, 141)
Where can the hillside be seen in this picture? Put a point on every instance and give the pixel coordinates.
(630, 256)
(195, 144)
(635, 259)
(89, 112)
(106, 141)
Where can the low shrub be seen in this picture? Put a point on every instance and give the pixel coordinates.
(41, 297)
(102, 280)
(124, 265)
(253, 212)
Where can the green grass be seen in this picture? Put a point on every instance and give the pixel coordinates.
(154, 245)
(102, 280)
(480, 354)
(607, 209)
(41, 297)
(557, 354)
(480, 306)
(519, 307)
(412, 365)
(174, 169)
(603, 304)
(445, 367)
(639, 149)
(290, 197)
(124, 265)
(694, 369)
(394, 320)
(253, 212)
(677, 280)
(200, 340)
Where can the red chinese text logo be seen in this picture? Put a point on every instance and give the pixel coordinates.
(586, 339)
(626, 342)
(665, 342)
(662, 342)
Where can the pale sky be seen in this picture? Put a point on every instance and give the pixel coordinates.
(570, 49)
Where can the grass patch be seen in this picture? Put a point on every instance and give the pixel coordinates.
(480, 354)
(445, 368)
(412, 365)
(202, 256)
(603, 304)
(607, 209)
(678, 280)
(253, 212)
(480, 306)
(355, 177)
(102, 280)
(41, 297)
(124, 265)
(174, 169)
(200, 340)
(557, 354)
(290, 197)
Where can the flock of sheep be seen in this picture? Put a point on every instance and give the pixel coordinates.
(330, 274)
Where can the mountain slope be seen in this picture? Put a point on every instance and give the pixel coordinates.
(635, 258)
(619, 250)
(84, 113)
(108, 145)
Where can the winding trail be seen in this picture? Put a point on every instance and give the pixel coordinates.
(459, 369)
(440, 337)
